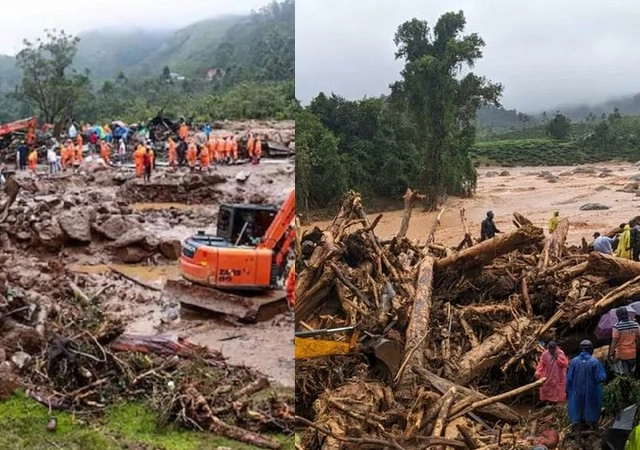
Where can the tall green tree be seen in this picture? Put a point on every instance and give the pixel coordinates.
(441, 101)
(558, 128)
(47, 85)
(320, 175)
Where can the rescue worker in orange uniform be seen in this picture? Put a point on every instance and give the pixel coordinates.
(138, 159)
(257, 152)
(172, 153)
(183, 132)
(205, 162)
(104, 151)
(211, 148)
(228, 147)
(219, 149)
(234, 148)
(250, 146)
(192, 155)
(33, 160)
(291, 287)
(70, 154)
(79, 139)
(78, 156)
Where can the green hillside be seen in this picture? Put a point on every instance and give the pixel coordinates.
(106, 53)
(255, 47)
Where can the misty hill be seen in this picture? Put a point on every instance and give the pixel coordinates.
(497, 119)
(261, 41)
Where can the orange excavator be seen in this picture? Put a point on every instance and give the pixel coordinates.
(29, 124)
(238, 272)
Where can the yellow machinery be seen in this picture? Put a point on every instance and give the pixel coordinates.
(383, 354)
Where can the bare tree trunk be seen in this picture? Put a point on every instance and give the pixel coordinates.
(484, 252)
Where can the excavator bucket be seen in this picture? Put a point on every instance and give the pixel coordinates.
(386, 355)
(248, 307)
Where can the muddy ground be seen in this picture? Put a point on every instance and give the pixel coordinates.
(103, 224)
(534, 192)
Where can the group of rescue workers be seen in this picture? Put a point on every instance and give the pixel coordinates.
(185, 151)
(579, 381)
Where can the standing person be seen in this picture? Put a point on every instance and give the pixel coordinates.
(52, 159)
(23, 153)
(122, 150)
(138, 159)
(33, 160)
(250, 146)
(257, 151)
(291, 286)
(93, 141)
(624, 244)
(234, 148)
(104, 152)
(183, 132)
(205, 163)
(553, 222)
(624, 343)
(553, 366)
(147, 160)
(635, 241)
(488, 228)
(584, 388)
(172, 153)
(192, 155)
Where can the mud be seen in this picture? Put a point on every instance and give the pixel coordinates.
(534, 192)
(117, 238)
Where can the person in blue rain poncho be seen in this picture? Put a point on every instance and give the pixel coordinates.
(584, 386)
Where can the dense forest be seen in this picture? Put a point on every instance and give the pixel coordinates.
(222, 68)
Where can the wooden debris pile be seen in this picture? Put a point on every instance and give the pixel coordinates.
(68, 354)
(470, 320)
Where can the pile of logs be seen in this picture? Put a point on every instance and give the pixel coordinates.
(470, 320)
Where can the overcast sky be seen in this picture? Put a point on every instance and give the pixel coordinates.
(22, 19)
(546, 53)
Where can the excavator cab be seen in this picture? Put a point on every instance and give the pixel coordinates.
(244, 224)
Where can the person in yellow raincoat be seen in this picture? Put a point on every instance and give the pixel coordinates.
(553, 222)
(624, 244)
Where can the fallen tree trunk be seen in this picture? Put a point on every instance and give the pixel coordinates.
(611, 267)
(494, 410)
(477, 360)
(418, 329)
(483, 253)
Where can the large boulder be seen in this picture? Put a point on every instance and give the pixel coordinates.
(593, 207)
(170, 248)
(137, 237)
(115, 227)
(50, 234)
(76, 224)
(133, 254)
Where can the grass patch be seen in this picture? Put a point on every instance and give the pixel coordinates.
(133, 426)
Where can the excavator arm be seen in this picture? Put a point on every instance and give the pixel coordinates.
(280, 224)
(23, 124)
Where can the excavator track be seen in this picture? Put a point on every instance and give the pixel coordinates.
(246, 307)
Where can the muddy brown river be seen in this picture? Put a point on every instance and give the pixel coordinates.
(524, 191)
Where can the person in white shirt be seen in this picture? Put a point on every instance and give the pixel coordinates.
(122, 149)
(52, 159)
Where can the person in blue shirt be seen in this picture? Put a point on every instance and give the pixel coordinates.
(584, 387)
(207, 130)
(603, 244)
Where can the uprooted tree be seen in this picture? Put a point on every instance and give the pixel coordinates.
(46, 82)
(442, 104)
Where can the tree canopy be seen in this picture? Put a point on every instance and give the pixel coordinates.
(419, 136)
(46, 84)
